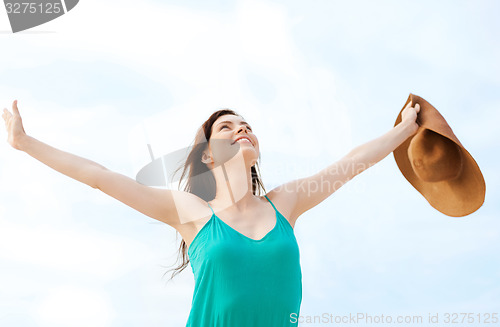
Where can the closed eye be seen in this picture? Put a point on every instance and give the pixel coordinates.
(222, 127)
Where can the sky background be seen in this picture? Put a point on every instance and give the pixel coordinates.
(314, 79)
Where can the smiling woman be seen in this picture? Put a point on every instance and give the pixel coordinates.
(239, 255)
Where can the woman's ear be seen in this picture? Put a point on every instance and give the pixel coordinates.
(205, 157)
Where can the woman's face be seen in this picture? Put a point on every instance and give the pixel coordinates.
(225, 131)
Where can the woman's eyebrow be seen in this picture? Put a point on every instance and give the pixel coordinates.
(230, 122)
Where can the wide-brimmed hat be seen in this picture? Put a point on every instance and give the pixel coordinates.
(435, 162)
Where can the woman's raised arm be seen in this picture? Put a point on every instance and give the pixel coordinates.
(155, 203)
(305, 193)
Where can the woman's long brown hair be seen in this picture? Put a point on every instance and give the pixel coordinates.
(205, 187)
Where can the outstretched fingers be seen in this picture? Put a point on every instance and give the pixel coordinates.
(15, 110)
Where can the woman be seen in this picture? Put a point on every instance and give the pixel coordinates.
(241, 245)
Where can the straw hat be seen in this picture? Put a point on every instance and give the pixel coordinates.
(435, 162)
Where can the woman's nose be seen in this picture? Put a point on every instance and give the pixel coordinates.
(242, 127)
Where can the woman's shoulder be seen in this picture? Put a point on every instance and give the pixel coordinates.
(284, 202)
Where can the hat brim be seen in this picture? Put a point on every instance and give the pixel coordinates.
(457, 197)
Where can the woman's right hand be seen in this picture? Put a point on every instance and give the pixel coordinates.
(14, 126)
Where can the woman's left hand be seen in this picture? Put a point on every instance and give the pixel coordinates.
(409, 116)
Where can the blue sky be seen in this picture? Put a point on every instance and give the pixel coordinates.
(314, 79)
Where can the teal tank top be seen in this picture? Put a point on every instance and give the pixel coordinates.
(242, 282)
